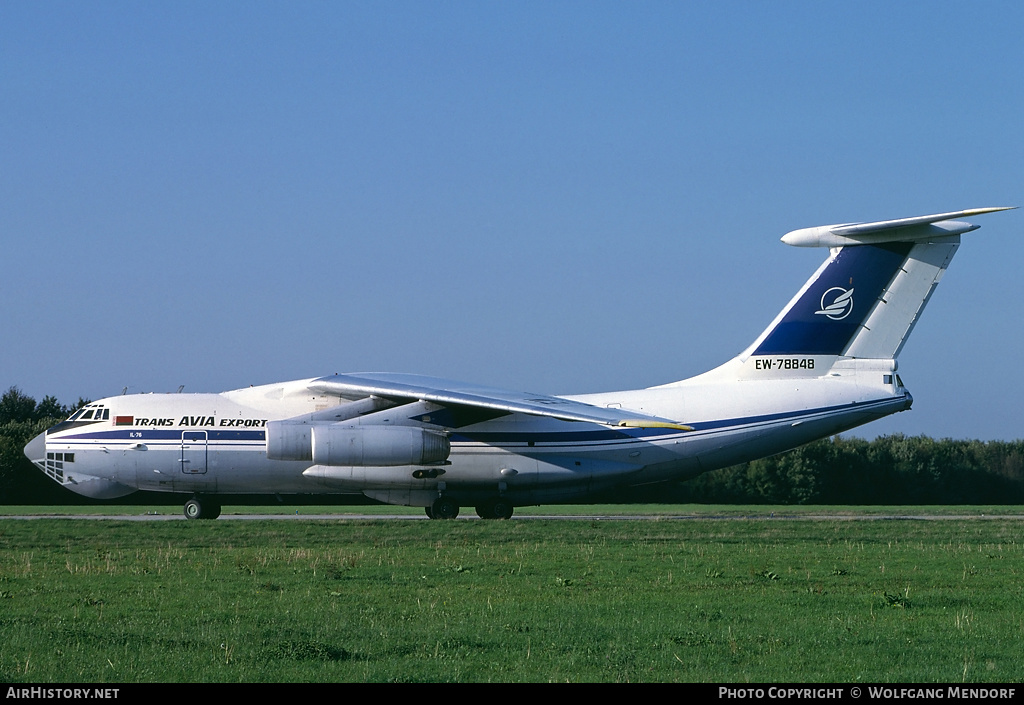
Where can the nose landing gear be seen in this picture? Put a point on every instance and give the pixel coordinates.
(201, 508)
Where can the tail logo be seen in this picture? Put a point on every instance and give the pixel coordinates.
(840, 303)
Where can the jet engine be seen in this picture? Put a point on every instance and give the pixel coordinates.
(347, 445)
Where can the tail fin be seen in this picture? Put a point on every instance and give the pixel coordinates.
(866, 297)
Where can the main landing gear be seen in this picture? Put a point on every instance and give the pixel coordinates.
(445, 508)
(201, 508)
(498, 508)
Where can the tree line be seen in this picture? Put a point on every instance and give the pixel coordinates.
(21, 420)
(894, 469)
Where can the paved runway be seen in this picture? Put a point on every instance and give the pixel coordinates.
(772, 516)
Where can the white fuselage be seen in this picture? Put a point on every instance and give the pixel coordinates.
(216, 443)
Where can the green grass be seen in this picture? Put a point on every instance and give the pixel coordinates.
(733, 600)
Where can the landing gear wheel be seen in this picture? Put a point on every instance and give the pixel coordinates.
(196, 508)
(429, 511)
(495, 509)
(502, 509)
(444, 508)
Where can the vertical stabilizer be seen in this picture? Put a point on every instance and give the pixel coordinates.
(863, 301)
(858, 309)
(832, 309)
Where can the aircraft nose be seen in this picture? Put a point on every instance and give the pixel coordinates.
(36, 449)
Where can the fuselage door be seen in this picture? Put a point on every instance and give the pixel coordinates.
(193, 452)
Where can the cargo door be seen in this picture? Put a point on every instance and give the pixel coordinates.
(193, 452)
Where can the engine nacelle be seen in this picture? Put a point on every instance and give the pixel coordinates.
(289, 440)
(378, 445)
(345, 445)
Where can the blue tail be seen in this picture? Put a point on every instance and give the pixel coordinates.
(866, 297)
(829, 312)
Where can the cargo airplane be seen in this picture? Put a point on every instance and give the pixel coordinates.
(827, 363)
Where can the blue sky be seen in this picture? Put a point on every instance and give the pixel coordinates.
(557, 197)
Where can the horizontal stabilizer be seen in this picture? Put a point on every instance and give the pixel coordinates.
(917, 229)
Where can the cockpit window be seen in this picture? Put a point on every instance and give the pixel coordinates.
(91, 413)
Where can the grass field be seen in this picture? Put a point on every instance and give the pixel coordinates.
(732, 600)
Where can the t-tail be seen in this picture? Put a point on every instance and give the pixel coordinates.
(827, 363)
(857, 311)
(865, 299)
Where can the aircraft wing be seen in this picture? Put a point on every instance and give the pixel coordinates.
(447, 393)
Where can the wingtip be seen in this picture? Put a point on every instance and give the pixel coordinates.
(982, 211)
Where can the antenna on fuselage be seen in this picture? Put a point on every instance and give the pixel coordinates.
(180, 387)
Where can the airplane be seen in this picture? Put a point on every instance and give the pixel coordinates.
(825, 364)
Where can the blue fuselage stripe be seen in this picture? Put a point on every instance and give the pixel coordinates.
(652, 434)
(142, 435)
